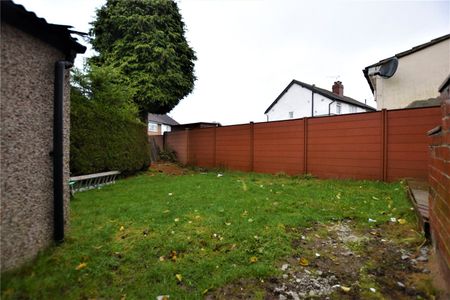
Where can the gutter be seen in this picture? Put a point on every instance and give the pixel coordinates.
(329, 107)
(58, 150)
(312, 101)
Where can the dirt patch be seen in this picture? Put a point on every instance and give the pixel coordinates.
(341, 261)
(167, 168)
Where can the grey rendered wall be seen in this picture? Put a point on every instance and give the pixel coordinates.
(26, 174)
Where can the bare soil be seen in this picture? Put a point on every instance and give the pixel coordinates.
(342, 261)
(167, 168)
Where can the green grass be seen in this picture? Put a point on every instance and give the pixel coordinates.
(125, 233)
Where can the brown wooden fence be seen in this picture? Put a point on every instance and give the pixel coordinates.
(383, 145)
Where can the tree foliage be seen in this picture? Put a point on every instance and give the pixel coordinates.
(144, 39)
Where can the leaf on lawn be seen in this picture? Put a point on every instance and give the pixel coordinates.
(121, 228)
(401, 221)
(176, 219)
(179, 277)
(162, 258)
(338, 196)
(204, 291)
(227, 223)
(303, 262)
(81, 266)
(173, 255)
(250, 220)
(253, 259)
(244, 213)
(345, 289)
(375, 198)
(170, 194)
(166, 211)
(163, 297)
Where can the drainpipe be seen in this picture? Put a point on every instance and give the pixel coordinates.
(312, 101)
(58, 150)
(329, 107)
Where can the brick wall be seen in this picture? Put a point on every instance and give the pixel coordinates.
(439, 180)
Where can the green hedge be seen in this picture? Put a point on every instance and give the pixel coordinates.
(103, 139)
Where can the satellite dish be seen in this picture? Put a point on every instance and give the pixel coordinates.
(387, 70)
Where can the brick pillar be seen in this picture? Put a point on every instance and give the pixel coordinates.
(439, 180)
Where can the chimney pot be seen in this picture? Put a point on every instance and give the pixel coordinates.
(338, 88)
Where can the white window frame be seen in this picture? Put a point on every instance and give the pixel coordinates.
(152, 127)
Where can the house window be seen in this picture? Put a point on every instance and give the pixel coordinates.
(353, 109)
(338, 108)
(291, 115)
(152, 127)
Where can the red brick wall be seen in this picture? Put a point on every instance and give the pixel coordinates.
(383, 145)
(439, 180)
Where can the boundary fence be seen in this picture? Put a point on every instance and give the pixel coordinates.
(384, 145)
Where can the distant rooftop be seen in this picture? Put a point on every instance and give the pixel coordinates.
(162, 119)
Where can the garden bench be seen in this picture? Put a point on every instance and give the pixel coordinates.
(92, 181)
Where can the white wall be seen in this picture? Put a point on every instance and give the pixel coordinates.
(298, 100)
(418, 77)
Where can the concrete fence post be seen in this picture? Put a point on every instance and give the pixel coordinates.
(384, 144)
(305, 145)
(188, 159)
(252, 146)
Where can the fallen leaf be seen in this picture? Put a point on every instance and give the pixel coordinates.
(373, 290)
(179, 277)
(205, 291)
(121, 228)
(162, 258)
(375, 198)
(303, 262)
(253, 259)
(173, 255)
(170, 194)
(176, 219)
(338, 196)
(163, 297)
(345, 289)
(228, 224)
(401, 221)
(81, 266)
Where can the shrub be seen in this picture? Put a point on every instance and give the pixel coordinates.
(103, 138)
(168, 155)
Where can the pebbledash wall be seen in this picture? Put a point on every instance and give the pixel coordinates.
(27, 86)
(383, 145)
(439, 180)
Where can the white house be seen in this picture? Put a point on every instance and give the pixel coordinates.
(412, 75)
(300, 100)
(158, 124)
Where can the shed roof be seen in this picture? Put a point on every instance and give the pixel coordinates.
(59, 36)
(322, 92)
(162, 119)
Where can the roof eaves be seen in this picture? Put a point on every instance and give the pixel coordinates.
(59, 36)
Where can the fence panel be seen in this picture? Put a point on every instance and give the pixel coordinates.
(278, 147)
(233, 147)
(177, 141)
(407, 151)
(335, 146)
(202, 147)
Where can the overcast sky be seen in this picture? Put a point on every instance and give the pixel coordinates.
(249, 50)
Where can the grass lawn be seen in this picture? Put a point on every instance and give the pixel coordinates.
(185, 236)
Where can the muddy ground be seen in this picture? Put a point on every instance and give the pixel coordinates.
(341, 261)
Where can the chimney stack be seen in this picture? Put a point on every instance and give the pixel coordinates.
(338, 88)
